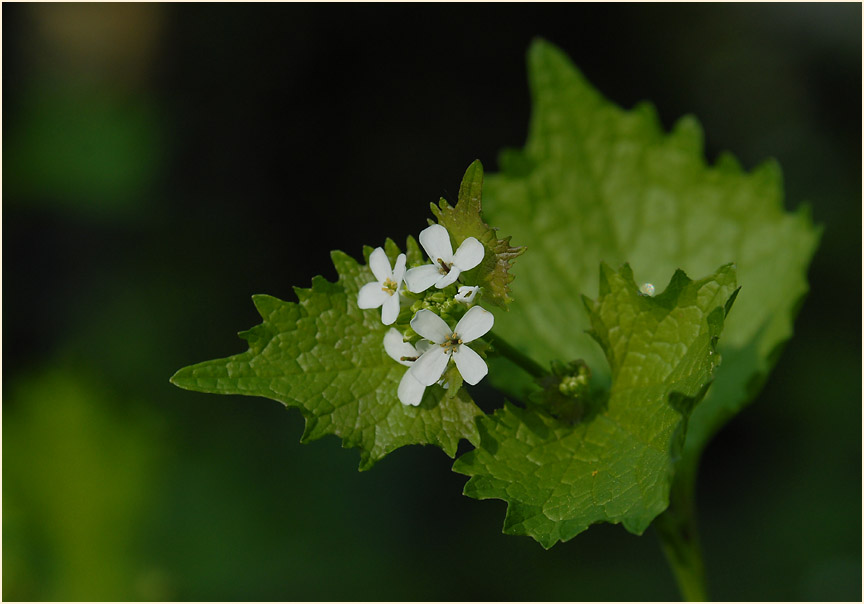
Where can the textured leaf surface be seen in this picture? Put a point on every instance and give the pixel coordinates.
(558, 478)
(464, 220)
(324, 355)
(597, 184)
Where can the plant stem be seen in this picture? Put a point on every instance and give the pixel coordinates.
(679, 535)
(532, 367)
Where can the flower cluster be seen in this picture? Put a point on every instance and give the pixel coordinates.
(429, 358)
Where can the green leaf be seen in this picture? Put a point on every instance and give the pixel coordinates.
(560, 478)
(463, 221)
(595, 183)
(325, 356)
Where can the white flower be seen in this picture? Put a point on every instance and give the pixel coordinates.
(446, 266)
(467, 294)
(385, 291)
(410, 390)
(431, 365)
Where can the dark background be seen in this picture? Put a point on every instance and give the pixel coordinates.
(162, 163)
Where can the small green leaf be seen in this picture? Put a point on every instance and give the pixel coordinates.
(617, 466)
(465, 220)
(324, 355)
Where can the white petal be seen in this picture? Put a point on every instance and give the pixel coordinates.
(472, 367)
(475, 323)
(469, 254)
(390, 309)
(380, 265)
(410, 391)
(397, 348)
(421, 278)
(447, 279)
(424, 345)
(467, 294)
(430, 366)
(430, 326)
(399, 270)
(371, 295)
(436, 241)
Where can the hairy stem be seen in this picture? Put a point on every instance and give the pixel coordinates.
(679, 535)
(500, 345)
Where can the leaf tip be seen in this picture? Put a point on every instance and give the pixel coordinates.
(727, 162)
(540, 46)
(606, 273)
(265, 304)
(178, 378)
(345, 263)
(687, 132)
(769, 176)
(728, 306)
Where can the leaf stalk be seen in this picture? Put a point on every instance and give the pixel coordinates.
(679, 534)
(513, 354)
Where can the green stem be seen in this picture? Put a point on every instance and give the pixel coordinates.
(679, 535)
(532, 367)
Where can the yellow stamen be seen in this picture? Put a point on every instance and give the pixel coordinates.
(451, 343)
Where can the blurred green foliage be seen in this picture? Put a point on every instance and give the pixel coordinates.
(87, 149)
(165, 162)
(78, 477)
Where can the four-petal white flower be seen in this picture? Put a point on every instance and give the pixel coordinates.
(446, 266)
(385, 291)
(451, 343)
